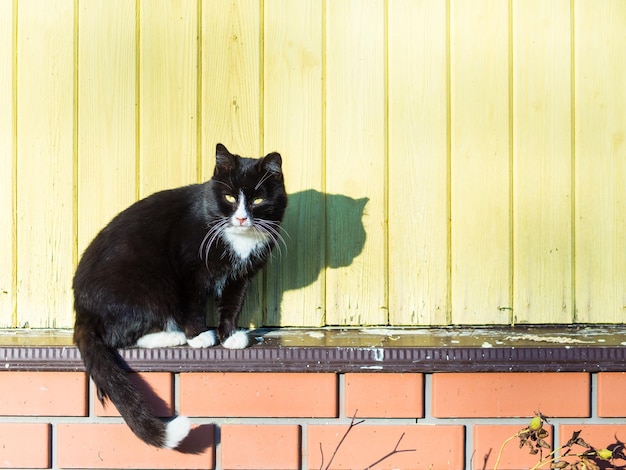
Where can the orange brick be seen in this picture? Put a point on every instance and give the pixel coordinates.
(248, 394)
(374, 395)
(93, 445)
(436, 447)
(488, 440)
(260, 447)
(611, 386)
(24, 445)
(498, 395)
(597, 435)
(157, 388)
(43, 394)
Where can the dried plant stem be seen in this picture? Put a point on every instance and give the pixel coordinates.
(550, 458)
(393, 452)
(353, 423)
(509, 439)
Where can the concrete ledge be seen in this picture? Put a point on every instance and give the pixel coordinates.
(340, 350)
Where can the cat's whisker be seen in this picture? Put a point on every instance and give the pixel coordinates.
(276, 225)
(268, 233)
(225, 184)
(265, 176)
(270, 229)
(209, 239)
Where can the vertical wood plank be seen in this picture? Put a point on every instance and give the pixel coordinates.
(231, 99)
(418, 163)
(355, 163)
(168, 93)
(481, 220)
(45, 123)
(600, 110)
(293, 126)
(231, 79)
(106, 113)
(7, 147)
(542, 138)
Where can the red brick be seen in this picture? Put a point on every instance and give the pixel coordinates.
(488, 440)
(436, 447)
(497, 395)
(247, 394)
(611, 386)
(260, 447)
(43, 394)
(597, 435)
(92, 445)
(374, 395)
(24, 445)
(157, 388)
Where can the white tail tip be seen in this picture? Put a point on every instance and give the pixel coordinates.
(176, 430)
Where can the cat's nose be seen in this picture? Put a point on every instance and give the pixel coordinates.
(241, 220)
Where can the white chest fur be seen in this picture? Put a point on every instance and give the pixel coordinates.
(244, 240)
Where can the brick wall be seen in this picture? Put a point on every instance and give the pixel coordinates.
(286, 420)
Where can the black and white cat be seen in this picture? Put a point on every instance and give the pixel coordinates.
(147, 276)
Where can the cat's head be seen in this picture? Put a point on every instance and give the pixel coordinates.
(249, 199)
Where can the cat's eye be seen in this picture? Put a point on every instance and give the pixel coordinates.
(258, 201)
(230, 198)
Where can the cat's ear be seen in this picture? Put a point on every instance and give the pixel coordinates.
(224, 161)
(272, 163)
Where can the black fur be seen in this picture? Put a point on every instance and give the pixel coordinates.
(158, 262)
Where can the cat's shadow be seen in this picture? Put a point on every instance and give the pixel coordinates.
(323, 231)
(319, 231)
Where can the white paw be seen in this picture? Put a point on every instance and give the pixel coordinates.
(175, 431)
(238, 340)
(162, 339)
(206, 339)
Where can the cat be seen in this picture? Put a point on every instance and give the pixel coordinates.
(146, 278)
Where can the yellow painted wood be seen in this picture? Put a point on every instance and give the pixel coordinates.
(293, 126)
(168, 94)
(392, 116)
(231, 79)
(106, 114)
(542, 153)
(7, 145)
(600, 110)
(355, 163)
(231, 100)
(418, 163)
(480, 192)
(45, 113)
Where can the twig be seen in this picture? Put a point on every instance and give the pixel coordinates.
(393, 452)
(353, 423)
(517, 434)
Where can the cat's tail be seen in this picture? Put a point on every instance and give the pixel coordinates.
(108, 371)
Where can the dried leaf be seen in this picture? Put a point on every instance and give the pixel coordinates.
(581, 442)
(587, 464)
(573, 439)
(543, 444)
(559, 465)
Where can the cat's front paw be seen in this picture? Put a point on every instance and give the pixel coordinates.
(206, 339)
(238, 340)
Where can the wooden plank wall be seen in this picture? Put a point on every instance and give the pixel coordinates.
(448, 161)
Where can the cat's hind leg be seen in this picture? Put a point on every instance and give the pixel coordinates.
(171, 336)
